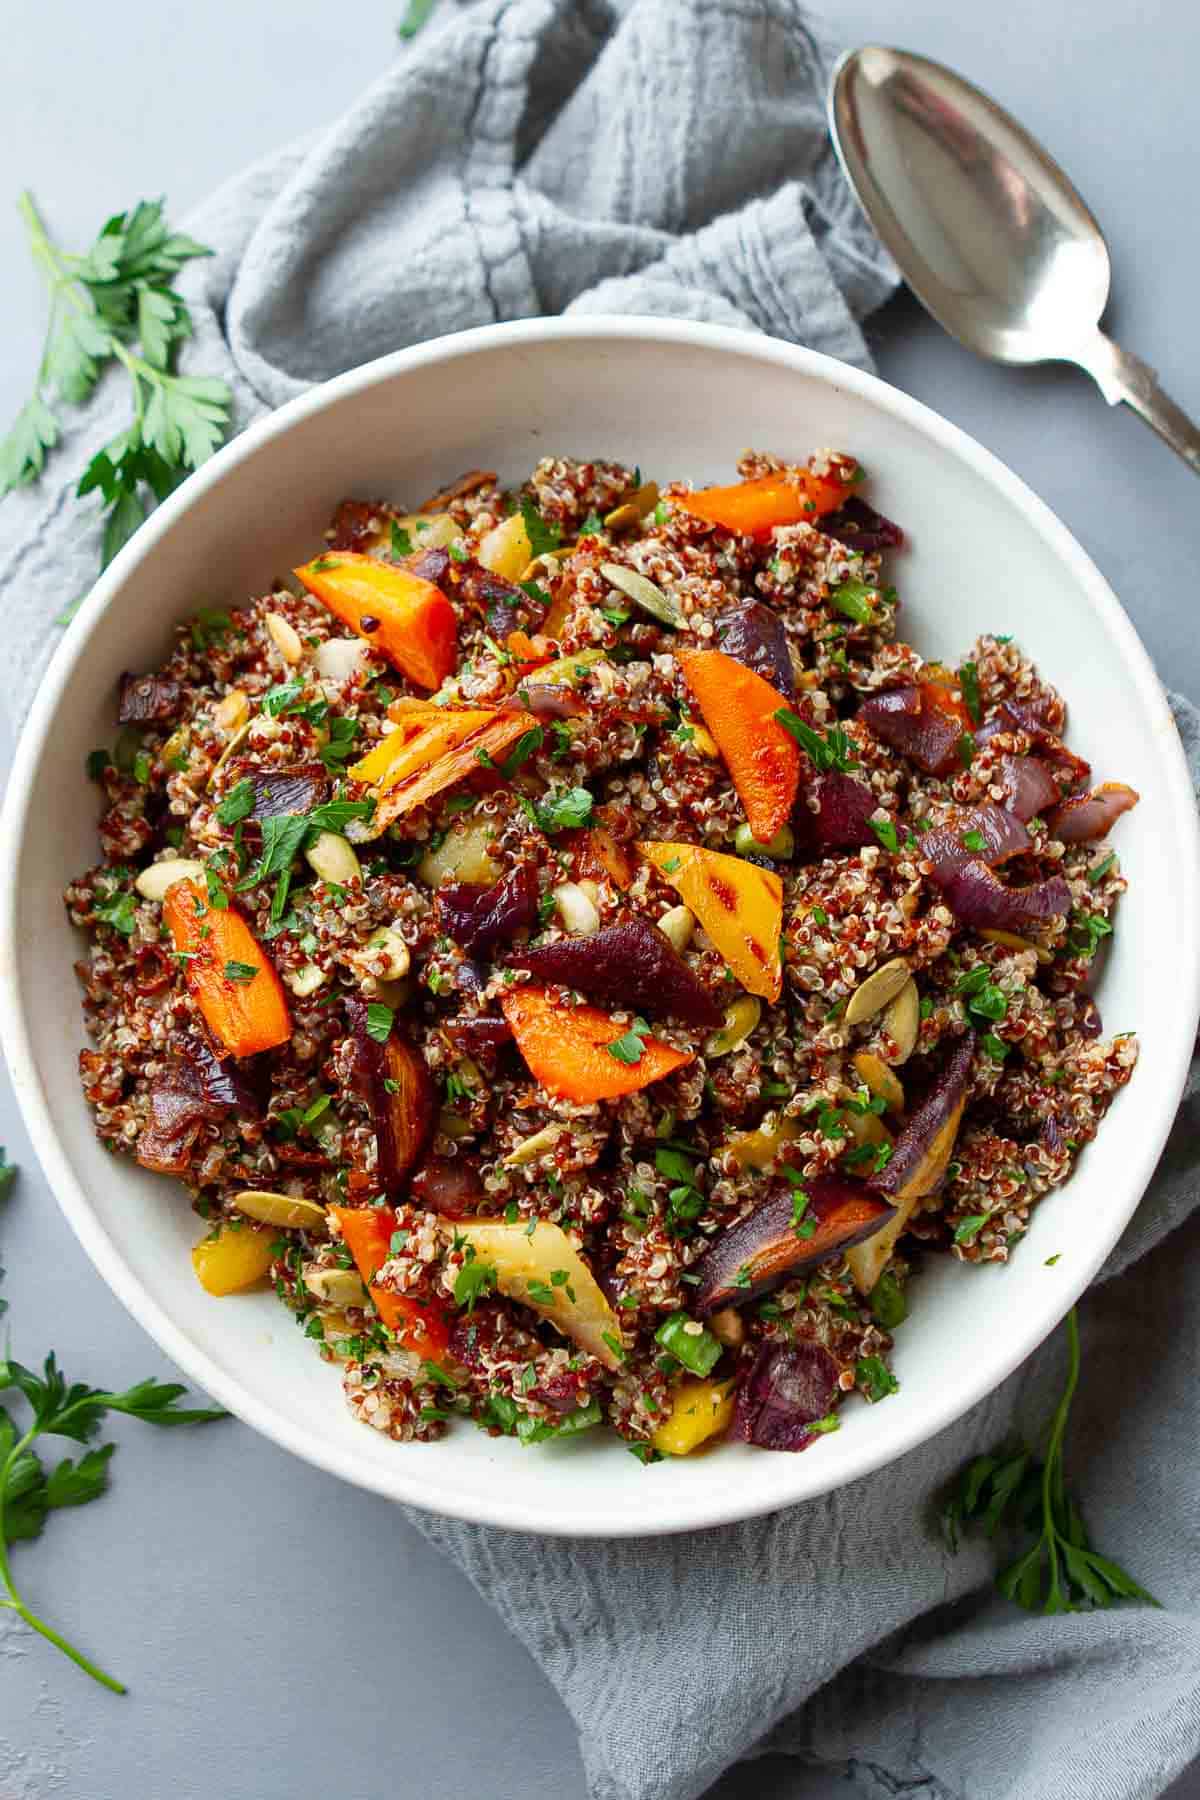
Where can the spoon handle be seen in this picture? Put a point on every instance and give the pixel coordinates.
(1122, 376)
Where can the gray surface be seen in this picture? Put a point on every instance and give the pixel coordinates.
(282, 1634)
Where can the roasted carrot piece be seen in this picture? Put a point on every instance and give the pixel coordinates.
(739, 905)
(413, 622)
(228, 973)
(402, 795)
(419, 740)
(739, 709)
(367, 1232)
(566, 1048)
(755, 507)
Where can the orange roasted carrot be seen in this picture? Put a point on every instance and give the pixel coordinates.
(367, 1231)
(228, 973)
(739, 905)
(755, 507)
(423, 784)
(409, 619)
(739, 709)
(567, 1048)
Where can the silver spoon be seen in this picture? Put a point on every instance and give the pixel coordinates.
(987, 230)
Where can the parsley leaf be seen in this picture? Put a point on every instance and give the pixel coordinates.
(117, 305)
(630, 1048)
(875, 1378)
(968, 681)
(1059, 1571)
(474, 1281)
(564, 809)
(380, 1019)
(238, 802)
(29, 1493)
(543, 536)
(240, 971)
(833, 751)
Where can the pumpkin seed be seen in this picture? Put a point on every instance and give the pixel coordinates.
(643, 593)
(229, 749)
(1011, 941)
(677, 925)
(463, 855)
(336, 1287)
(873, 994)
(305, 980)
(285, 638)
(902, 1022)
(280, 1209)
(704, 740)
(879, 1080)
(577, 912)
(153, 882)
(740, 1019)
(779, 848)
(633, 510)
(530, 1148)
(727, 1327)
(758, 1149)
(332, 859)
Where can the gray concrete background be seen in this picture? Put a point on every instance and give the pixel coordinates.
(283, 1635)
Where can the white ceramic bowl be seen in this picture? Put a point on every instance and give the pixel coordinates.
(681, 400)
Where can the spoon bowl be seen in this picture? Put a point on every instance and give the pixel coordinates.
(988, 231)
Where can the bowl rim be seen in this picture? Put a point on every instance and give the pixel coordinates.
(490, 1505)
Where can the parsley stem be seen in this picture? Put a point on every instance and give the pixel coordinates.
(1052, 1475)
(14, 1602)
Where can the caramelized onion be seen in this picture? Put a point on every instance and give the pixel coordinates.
(294, 790)
(978, 899)
(753, 634)
(1085, 817)
(844, 808)
(479, 918)
(148, 699)
(860, 527)
(910, 720)
(1002, 833)
(788, 1389)
(1028, 785)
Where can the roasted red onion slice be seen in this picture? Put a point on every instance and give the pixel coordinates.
(766, 1248)
(480, 1036)
(294, 790)
(753, 633)
(1029, 787)
(860, 527)
(989, 833)
(978, 899)
(148, 699)
(1085, 817)
(480, 918)
(919, 723)
(1028, 716)
(788, 1389)
(395, 1083)
(632, 964)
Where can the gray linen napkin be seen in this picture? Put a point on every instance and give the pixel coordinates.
(530, 156)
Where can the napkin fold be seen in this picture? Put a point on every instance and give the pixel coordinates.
(530, 156)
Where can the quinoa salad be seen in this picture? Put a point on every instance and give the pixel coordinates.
(569, 945)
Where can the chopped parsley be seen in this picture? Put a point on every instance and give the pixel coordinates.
(240, 971)
(238, 803)
(543, 536)
(875, 1378)
(968, 681)
(564, 810)
(833, 751)
(380, 1019)
(630, 1048)
(855, 599)
(974, 840)
(885, 831)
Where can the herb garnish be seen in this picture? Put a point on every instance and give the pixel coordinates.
(240, 971)
(833, 751)
(1060, 1571)
(29, 1494)
(543, 535)
(380, 1020)
(968, 681)
(630, 1048)
(116, 304)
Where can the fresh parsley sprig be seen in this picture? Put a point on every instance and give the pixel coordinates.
(116, 304)
(29, 1492)
(1060, 1571)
